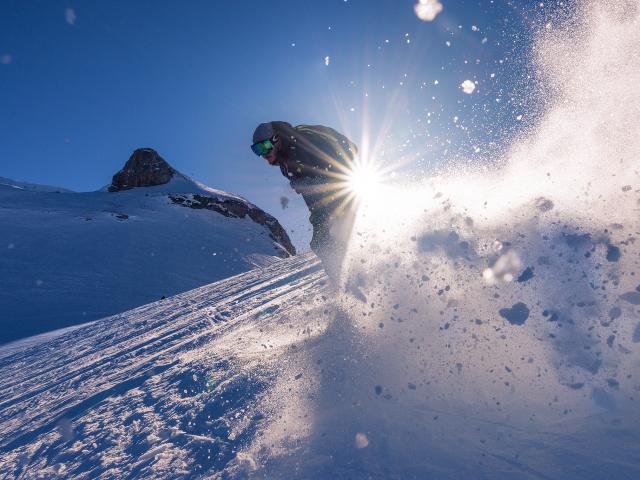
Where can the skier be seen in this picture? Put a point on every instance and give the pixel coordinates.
(316, 160)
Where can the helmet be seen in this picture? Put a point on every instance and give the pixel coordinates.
(264, 131)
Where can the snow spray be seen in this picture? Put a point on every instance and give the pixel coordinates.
(497, 306)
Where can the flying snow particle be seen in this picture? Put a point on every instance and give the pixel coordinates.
(447, 43)
(468, 87)
(326, 60)
(11, 246)
(361, 440)
(516, 315)
(70, 16)
(293, 44)
(352, 109)
(474, 28)
(488, 275)
(427, 10)
(631, 297)
(6, 59)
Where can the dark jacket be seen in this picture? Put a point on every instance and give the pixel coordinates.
(316, 160)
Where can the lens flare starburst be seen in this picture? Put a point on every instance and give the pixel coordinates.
(364, 180)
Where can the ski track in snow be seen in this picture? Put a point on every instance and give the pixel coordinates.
(93, 397)
(218, 382)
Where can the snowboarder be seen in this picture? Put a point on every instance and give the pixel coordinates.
(316, 160)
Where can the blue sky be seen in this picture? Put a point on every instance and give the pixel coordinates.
(82, 84)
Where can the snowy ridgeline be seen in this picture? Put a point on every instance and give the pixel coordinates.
(33, 187)
(68, 258)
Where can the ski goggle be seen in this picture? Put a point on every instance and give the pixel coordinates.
(263, 147)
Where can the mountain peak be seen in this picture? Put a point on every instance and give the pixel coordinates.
(145, 168)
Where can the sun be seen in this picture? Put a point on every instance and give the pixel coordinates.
(364, 180)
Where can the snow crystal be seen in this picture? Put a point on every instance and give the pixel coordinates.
(631, 297)
(468, 87)
(516, 315)
(326, 60)
(613, 383)
(614, 313)
(70, 16)
(488, 275)
(427, 10)
(526, 275)
(6, 59)
(11, 246)
(543, 204)
(613, 253)
(636, 334)
(361, 440)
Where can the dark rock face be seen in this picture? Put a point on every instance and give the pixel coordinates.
(145, 168)
(231, 207)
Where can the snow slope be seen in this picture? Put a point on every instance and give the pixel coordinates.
(270, 375)
(67, 258)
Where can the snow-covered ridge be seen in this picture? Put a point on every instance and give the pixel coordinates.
(68, 259)
(32, 186)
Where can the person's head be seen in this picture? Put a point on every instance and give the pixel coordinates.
(266, 143)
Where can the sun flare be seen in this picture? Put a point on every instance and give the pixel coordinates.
(365, 180)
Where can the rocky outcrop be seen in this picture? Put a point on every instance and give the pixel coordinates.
(236, 208)
(145, 168)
